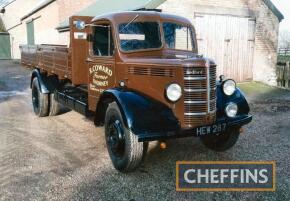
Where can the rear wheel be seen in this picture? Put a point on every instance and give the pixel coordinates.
(39, 100)
(54, 106)
(222, 142)
(124, 149)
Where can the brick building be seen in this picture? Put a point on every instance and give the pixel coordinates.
(240, 35)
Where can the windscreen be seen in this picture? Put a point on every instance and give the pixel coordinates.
(139, 36)
(178, 37)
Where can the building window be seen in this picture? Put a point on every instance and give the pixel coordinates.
(30, 33)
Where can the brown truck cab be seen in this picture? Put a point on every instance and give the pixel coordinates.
(140, 75)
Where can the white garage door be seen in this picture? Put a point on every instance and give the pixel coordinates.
(230, 41)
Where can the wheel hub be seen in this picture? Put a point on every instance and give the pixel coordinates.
(116, 139)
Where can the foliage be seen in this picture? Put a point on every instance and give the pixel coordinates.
(2, 28)
(284, 39)
(252, 89)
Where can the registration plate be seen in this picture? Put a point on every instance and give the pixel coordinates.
(212, 129)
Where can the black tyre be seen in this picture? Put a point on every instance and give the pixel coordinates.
(124, 149)
(54, 106)
(221, 142)
(39, 100)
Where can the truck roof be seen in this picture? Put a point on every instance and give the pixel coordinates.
(119, 17)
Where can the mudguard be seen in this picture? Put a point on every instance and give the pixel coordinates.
(238, 98)
(143, 115)
(46, 84)
(152, 120)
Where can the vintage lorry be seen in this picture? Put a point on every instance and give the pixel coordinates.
(139, 74)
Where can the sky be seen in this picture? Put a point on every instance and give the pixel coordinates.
(284, 7)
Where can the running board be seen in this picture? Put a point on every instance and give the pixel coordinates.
(75, 99)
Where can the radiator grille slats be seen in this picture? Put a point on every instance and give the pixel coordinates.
(151, 71)
(195, 84)
(188, 96)
(199, 95)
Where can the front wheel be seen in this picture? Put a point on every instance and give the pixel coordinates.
(125, 151)
(222, 142)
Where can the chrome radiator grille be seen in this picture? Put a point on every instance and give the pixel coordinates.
(199, 95)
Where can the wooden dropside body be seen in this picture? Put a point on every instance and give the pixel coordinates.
(51, 59)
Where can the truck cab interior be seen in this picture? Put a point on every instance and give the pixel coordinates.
(103, 44)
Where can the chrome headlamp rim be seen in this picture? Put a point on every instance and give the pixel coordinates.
(173, 86)
(234, 88)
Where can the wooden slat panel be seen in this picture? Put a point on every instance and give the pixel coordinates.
(51, 58)
(229, 40)
(283, 74)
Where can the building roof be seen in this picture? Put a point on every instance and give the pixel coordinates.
(37, 8)
(125, 16)
(107, 6)
(274, 9)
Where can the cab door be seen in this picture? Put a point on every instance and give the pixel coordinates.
(100, 61)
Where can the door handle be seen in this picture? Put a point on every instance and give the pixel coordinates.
(89, 60)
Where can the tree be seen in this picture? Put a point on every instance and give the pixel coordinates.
(2, 28)
(284, 39)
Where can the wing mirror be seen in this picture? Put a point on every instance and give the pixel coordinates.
(80, 25)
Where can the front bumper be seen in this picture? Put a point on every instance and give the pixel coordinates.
(222, 124)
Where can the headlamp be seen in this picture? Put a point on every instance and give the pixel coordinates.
(231, 109)
(173, 92)
(229, 87)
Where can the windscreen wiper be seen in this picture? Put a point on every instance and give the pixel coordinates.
(129, 23)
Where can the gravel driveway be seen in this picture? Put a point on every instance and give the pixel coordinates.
(65, 157)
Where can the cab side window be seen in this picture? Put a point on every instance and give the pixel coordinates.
(103, 44)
